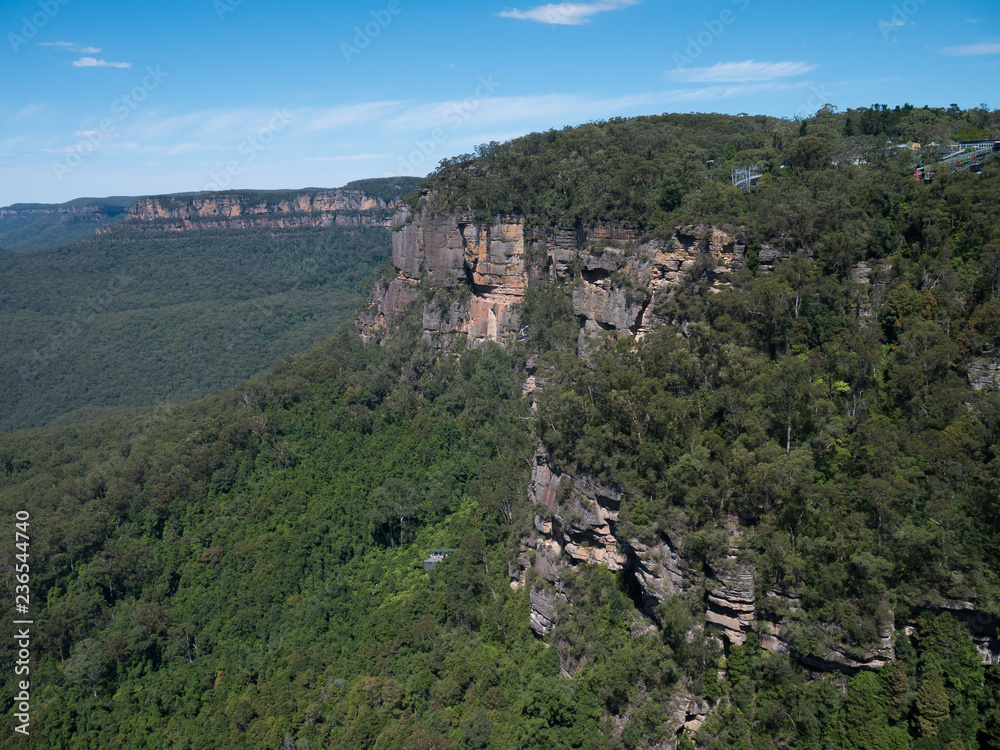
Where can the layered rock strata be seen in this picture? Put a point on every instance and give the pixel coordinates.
(984, 373)
(468, 279)
(473, 276)
(577, 521)
(246, 210)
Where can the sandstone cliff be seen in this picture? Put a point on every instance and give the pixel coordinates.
(95, 210)
(245, 210)
(618, 279)
(984, 373)
(468, 280)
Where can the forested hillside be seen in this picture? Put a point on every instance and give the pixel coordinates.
(721, 469)
(126, 319)
(33, 226)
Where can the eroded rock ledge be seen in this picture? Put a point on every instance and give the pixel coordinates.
(577, 521)
(489, 268)
(246, 210)
(469, 280)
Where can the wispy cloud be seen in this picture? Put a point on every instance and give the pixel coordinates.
(352, 157)
(328, 118)
(967, 50)
(187, 148)
(71, 47)
(219, 126)
(29, 110)
(94, 134)
(492, 112)
(742, 72)
(715, 93)
(566, 14)
(93, 62)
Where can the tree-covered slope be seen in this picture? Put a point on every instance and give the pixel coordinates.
(249, 568)
(641, 170)
(246, 570)
(33, 226)
(129, 319)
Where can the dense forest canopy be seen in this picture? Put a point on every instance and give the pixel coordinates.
(33, 226)
(127, 318)
(647, 170)
(246, 570)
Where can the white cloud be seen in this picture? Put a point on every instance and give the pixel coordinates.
(712, 93)
(967, 50)
(185, 148)
(352, 157)
(93, 62)
(741, 72)
(72, 47)
(94, 133)
(492, 111)
(566, 14)
(329, 118)
(29, 110)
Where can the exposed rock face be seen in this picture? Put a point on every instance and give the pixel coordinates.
(240, 210)
(484, 264)
(95, 210)
(732, 600)
(777, 638)
(984, 373)
(577, 521)
(468, 280)
(489, 268)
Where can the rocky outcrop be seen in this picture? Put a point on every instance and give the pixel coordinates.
(577, 521)
(91, 210)
(984, 373)
(245, 210)
(468, 278)
(473, 276)
(731, 598)
(836, 654)
(476, 275)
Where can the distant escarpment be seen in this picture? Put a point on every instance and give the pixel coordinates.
(246, 210)
(31, 210)
(33, 226)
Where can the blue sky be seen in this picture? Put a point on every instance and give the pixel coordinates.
(129, 98)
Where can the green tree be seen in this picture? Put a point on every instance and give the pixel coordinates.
(931, 707)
